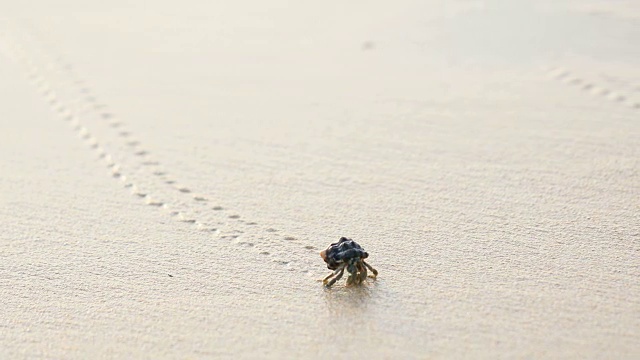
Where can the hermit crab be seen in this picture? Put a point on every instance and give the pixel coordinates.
(346, 254)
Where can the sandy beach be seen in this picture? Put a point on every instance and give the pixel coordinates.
(171, 171)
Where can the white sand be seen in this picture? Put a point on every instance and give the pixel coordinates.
(171, 171)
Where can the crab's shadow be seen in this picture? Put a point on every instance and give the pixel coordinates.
(351, 300)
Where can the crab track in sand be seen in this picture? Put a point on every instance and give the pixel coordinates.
(134, 166)
(618, 97)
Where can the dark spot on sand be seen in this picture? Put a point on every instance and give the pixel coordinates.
(368, 45)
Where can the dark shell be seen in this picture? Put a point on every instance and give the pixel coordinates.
(344, 250)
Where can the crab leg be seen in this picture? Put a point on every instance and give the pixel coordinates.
(356, 275)
(374, 271)
(350, 280)
(338, 270)
(363, 271)
(353, 273)
(333, 281)
(352, 269)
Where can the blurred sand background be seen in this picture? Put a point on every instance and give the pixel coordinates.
(171, 170)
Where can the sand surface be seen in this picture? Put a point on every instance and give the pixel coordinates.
(171, 170)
